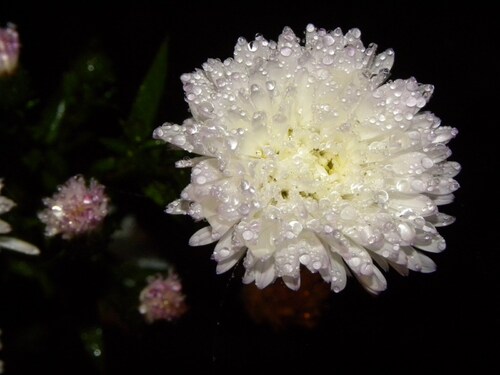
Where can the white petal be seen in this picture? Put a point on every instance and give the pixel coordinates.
(447, 169)
(286, 260)
(230, 262)
(262, 272)
(265, 277)
(6, 204)
(264, 246)
(189, 163)
(226, 254)
(18, 245)
(337, 272)
(391, 253)
(383, 61)
(205, 172)
(440, 219)
(218, 225)
(438, 152)
(434, 244)
(313, 254)
(444, 134)
(178, 207)
(420, 204)
(375, 283)
(203, 237)
(419, 262)
(404, 163)
(4, 227)
(427, 264)
(292, 282)
(443, 199)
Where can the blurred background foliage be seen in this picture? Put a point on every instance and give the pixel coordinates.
(76, 291)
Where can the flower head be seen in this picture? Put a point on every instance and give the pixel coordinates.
(9, 242)
(75, 209)
(162, 299)
(9, 49)
(310, 157)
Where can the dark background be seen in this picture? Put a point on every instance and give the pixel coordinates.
(432, 323)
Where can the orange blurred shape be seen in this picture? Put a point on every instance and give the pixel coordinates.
(281, 307)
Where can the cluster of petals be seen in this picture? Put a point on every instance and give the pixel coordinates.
(162, 299)
(307, 156)
(75, 208)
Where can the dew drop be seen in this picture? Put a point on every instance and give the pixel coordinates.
(328, 40)
(354, 261)
(411, 102)
(270, 85)
(247, 235)
(427, 163)
(286, 51)
(233, 143)
(328, 60)
(348, 213)
(245, 185)
(441, 245)
(252, 46)
(200, 180)
(366, 269)
(158, 133)
(179, 140)
(305, 259)
(350, 51)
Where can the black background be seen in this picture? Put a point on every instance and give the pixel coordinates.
(432, 323)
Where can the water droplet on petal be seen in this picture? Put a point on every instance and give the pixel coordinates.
(286, 51)
(270, 85)
(305, 259)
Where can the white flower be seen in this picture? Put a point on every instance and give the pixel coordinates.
(309, 158)
(9, 242)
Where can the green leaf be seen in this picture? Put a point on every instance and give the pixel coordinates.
(84, 96)
(159, 193)
(103, 165)
(54, 121)
(118, 146)
(15, 91)
(143, 113)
